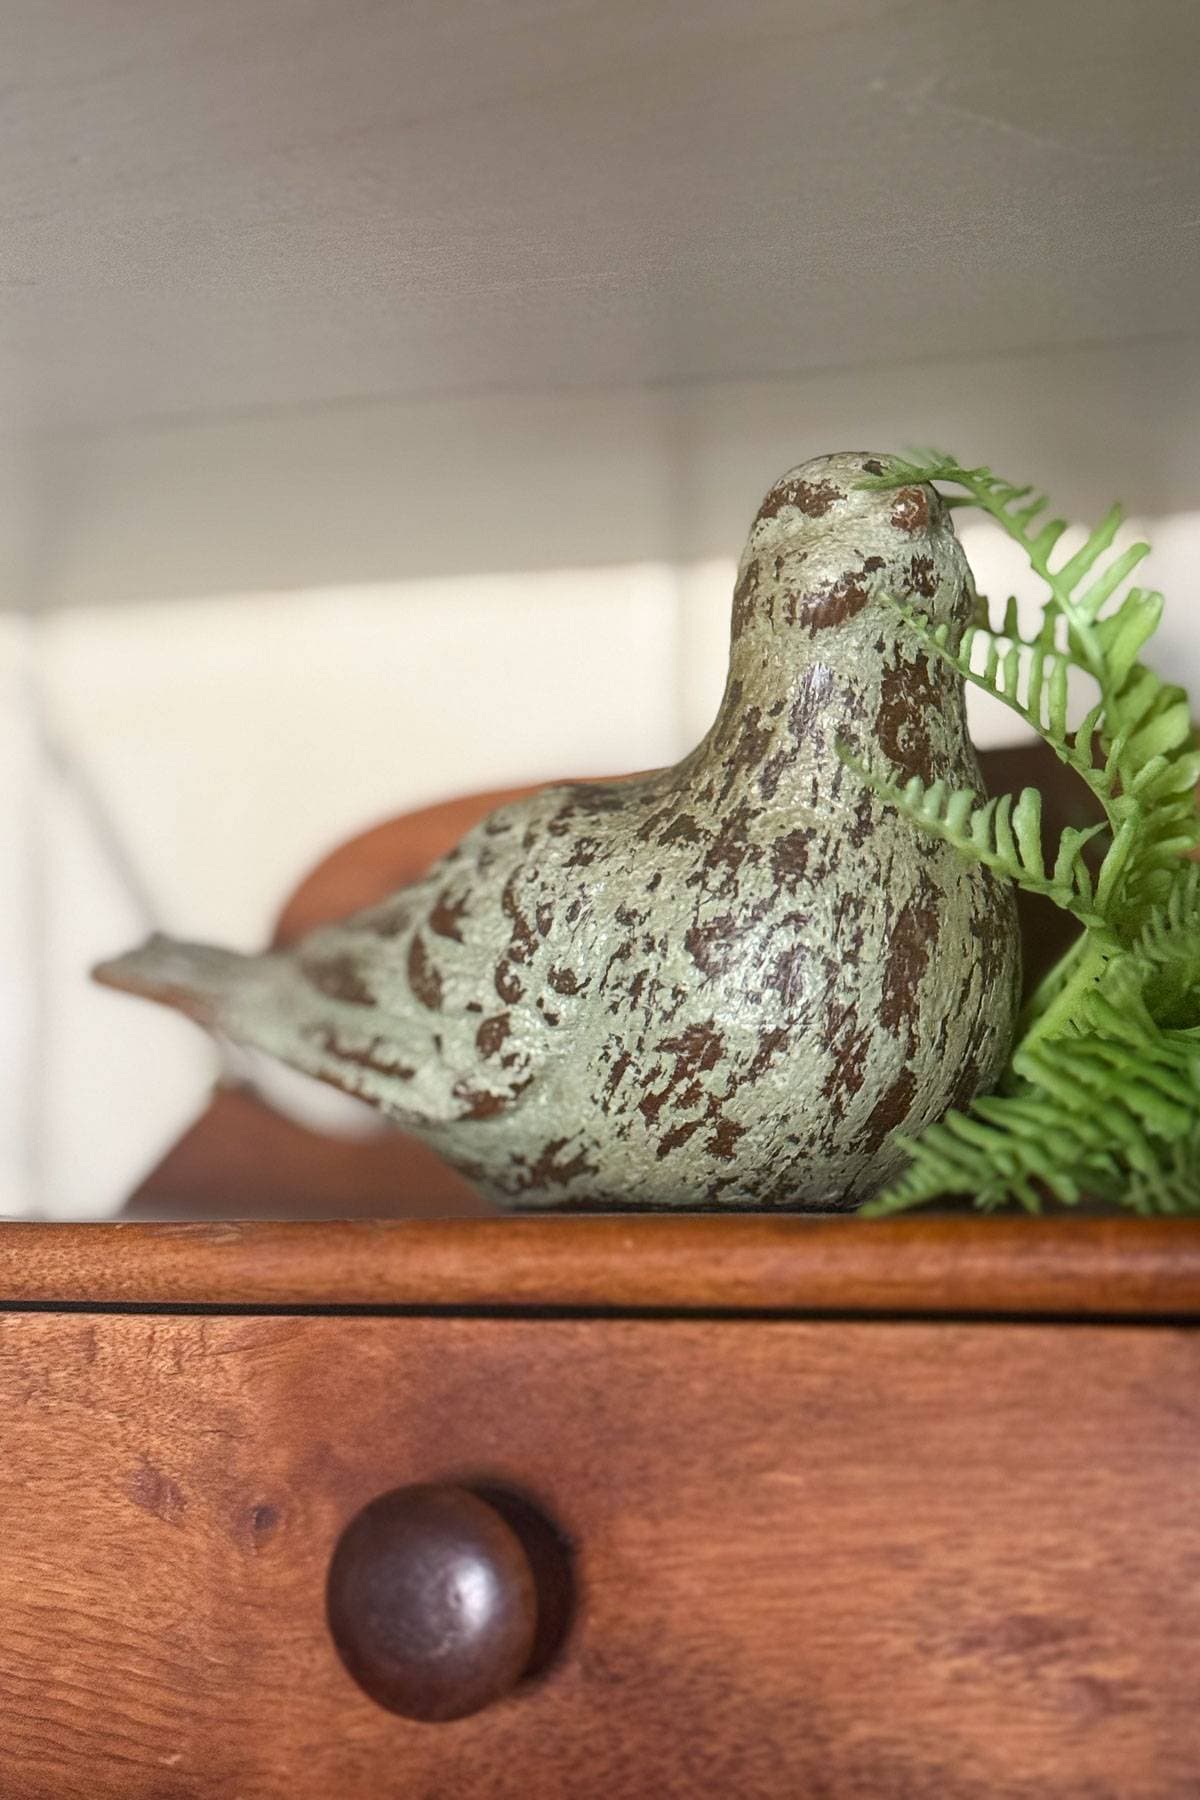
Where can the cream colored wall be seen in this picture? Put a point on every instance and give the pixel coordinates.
(20, 1007)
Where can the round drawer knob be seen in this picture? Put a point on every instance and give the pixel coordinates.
(432, 1602)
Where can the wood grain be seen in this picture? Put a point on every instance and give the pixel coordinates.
(1061, 1266)
(854, 1562)
(243, 1160)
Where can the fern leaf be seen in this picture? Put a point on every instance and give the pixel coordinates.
(1028, 677)
(1005, 836)
(1124, 633)
(1089, 553)
(1172, 1186)
(1167, 950)
(1099, 1117)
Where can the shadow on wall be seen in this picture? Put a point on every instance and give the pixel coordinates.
(575, 478)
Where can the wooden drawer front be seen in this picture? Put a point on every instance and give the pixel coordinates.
(883, 1561)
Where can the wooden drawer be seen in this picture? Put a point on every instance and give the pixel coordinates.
(826, 1557)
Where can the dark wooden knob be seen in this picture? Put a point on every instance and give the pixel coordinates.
(432, 1602)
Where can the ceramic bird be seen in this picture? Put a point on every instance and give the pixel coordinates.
(724, 983)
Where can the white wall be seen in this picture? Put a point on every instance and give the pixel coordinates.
(20, 933)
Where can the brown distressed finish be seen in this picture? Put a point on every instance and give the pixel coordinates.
(243, 1160)
(920, 1562)
(1060, 1266)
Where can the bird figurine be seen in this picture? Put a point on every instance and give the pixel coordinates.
(726, 983)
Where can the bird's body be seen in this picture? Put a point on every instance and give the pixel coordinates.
(727, 982)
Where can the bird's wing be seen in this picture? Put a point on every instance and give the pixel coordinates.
(445, 1001)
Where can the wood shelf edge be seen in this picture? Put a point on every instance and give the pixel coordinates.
(936, 1265)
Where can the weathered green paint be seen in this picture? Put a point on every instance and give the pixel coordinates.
(728, 982)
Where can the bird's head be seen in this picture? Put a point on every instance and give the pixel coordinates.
(824, 547)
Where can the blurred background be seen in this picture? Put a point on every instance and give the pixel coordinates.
(386, 391)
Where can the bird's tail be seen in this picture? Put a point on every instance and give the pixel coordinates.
(197, 979)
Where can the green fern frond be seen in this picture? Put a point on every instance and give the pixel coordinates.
(1094, 1112)
(1101, 1099)
(1151, 740)
(1148, 768)
(1021, 515)
(1172, 1186)
(922, 464)
(1029, 677)
(1168, 950)
(1124, 633)
(1004, 836)
(1177, 915)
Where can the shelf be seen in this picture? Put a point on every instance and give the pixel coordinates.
(1060, 1267)
(220, 209)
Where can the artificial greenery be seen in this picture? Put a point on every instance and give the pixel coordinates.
(1101, 1098)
